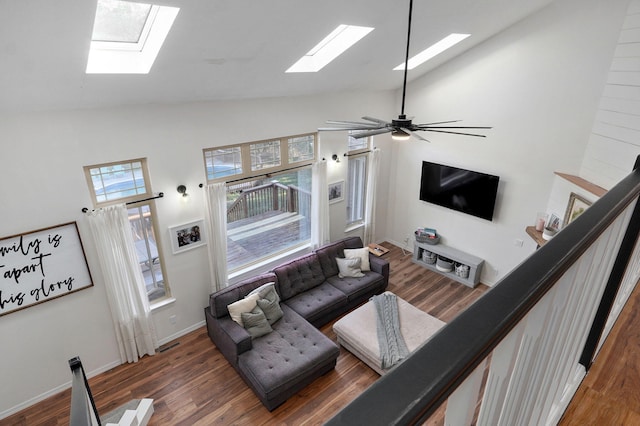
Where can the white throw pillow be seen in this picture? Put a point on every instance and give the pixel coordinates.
(362, 254)
(349, 268)
(243, 305)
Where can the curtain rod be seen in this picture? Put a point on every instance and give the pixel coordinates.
(360, 153)
(160, 195)
(264, 175)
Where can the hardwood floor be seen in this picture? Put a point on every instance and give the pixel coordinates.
(192, 384)
(610, 392)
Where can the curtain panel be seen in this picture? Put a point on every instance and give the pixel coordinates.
(124, 283)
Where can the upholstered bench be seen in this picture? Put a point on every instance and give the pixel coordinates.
(357, 331)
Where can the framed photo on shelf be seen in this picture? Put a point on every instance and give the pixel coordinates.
(336, 192)
(576, 206)
(187, 236)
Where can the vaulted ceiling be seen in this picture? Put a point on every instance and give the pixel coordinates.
(231, 49)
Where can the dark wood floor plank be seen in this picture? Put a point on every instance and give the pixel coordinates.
(192, 384)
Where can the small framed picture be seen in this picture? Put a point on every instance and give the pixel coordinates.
(576, 206)
(187, 236)
(336, 192)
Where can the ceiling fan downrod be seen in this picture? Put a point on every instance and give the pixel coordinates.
(406, 60)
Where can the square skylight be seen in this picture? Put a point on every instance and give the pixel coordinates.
(332, 46)
(433, 50)
(127, 36)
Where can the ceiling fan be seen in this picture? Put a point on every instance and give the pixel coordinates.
(401, 128)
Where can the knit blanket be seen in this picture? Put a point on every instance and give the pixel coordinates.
(393, 348)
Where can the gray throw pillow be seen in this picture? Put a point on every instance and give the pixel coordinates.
(267, 291)
(271, 309)
(256, 323)
(349, 268)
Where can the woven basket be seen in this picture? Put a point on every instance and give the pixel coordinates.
(426, 240)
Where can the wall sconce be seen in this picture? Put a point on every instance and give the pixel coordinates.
(335, 158)
(182, 190)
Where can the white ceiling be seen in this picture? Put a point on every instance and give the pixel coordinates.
(231, 49)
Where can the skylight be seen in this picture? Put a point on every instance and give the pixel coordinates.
(433, 50)
(340, 39)
(127, 36)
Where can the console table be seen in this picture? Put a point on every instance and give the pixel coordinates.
(474, 263)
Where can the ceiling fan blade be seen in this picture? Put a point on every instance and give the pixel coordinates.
(453, 133)
(376, 120)
(366, 133)
(426, 127)
(438, 122)
(415, 135)
(351, 123)
(346, 129)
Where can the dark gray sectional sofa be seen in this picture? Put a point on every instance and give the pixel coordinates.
(279, 364)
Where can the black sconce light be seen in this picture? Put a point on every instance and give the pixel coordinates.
(335, 158)
(183, 190)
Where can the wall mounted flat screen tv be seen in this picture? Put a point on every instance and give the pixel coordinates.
(462, 190)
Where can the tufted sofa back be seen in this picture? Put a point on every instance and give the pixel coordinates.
(219, 300)
(299, 275)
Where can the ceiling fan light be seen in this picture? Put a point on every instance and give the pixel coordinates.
(400, 135)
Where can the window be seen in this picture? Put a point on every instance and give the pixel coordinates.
(255, 159)
(268, 196)
(356, 189)
(356, 179)
(127, 36)
(129, 182)
(223, 162)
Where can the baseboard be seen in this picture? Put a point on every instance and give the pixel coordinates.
(102, 369)
(28, 403)
(181, 333)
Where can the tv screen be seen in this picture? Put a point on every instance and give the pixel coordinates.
(463, 190)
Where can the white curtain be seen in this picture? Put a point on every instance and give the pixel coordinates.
(370, 202)
(216, 211)
(319, 205)
(124, 282)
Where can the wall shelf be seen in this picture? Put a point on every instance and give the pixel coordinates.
(474, 263)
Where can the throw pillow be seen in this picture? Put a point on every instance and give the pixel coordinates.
(243, 305)
(256, 323)
(349, 268)
(271, 309)
(362, 253)
(267, 291)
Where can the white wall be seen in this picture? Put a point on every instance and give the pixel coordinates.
(614, 143)
(44, 185)
(537, 84)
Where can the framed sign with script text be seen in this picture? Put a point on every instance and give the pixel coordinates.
(41, 265)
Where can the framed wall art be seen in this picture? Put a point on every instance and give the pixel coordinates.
(336, 192)
(187, 236)
(41, 265)
(576, 206)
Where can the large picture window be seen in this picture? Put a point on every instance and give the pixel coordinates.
(268, 196)
(128, 182)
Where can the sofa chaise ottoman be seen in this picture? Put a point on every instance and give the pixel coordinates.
(357, 331)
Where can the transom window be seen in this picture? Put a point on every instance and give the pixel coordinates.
(128, 181)
(251, 159)
(117, 181)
